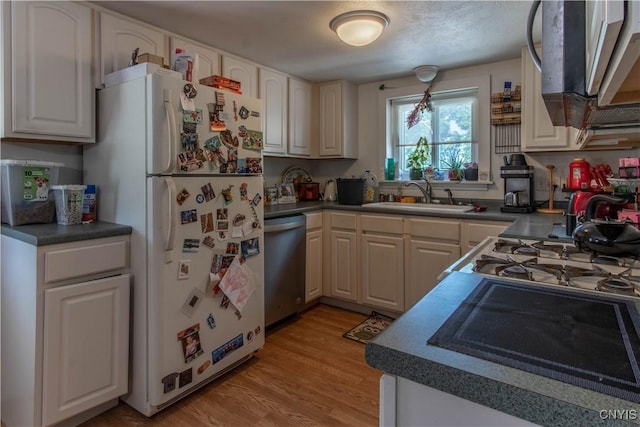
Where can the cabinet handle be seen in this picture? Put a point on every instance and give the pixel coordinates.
(171, 188)
(171, 125)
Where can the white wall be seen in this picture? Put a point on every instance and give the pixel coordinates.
(70, 155)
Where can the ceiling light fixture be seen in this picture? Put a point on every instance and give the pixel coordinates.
(359, 27)
(426, 73)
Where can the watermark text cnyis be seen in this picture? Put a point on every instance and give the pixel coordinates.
(619, 414)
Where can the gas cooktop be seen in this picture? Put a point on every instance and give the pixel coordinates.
(552, 263)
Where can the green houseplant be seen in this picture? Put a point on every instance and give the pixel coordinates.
(417, 159)
(453, 161)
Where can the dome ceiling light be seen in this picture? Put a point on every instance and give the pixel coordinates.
(359, 27)
(426, 73)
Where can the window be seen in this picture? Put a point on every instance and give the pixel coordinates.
(451, 128)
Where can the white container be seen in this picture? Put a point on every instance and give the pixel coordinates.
(69, 199)
(26, 191)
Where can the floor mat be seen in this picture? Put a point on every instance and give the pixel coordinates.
(369, 328)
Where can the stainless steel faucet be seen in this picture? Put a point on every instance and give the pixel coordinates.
(427, 190)
(449, 195)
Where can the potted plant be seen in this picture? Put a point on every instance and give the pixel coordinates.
(454, 162)
(470, 171)
(417, 159)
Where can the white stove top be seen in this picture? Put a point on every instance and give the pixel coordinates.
(551, 263)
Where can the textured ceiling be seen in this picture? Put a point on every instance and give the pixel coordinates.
(294, 36)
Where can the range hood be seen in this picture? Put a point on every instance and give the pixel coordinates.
(564, 77)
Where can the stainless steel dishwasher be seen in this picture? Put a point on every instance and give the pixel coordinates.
(284, 267)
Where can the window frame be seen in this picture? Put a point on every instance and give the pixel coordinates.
(483, 84)
(439, 99)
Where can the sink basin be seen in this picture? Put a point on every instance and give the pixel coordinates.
(420, 207)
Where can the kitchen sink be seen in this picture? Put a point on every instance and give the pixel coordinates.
(420, 207)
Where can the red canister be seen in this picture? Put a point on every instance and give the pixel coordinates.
(579, 174)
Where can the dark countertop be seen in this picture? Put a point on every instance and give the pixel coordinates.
(49, 234)
(401, 350)
(535, 226)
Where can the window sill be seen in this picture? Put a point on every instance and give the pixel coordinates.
(461, 185)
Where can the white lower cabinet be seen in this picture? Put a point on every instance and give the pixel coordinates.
(341, 254)
(65, 329)
(474, 232)
(382, 261)
(313, 271)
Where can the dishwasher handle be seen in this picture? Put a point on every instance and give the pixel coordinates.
(295, 222)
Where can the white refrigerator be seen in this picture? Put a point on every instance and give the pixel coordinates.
(182, 165)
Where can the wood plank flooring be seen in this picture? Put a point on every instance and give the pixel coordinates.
(307, 374)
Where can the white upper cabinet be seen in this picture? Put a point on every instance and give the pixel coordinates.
(337, 120)
(273, 93)
(208, 58)
(118, 39)
(538, 133)
(299, 118)
(602, 26)
(47, 55)
(241, 71)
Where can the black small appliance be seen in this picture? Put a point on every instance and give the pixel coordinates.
(518, 188)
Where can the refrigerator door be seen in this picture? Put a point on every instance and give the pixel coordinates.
(194, 222)
(185, 133)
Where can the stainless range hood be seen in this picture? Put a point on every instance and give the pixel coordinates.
(564, 76)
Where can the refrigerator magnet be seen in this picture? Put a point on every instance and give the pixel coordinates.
(249, 335)
(236, 232)
(169, 382)
(215, 124)
(257, 330)
(222, 213)
(200, 198)
(239, 218)
(242, 166)
(220, 99)
(192, 116)
(254, 165)
(188, 216)
(207, 191)
(190, 339)
(256, 199)
(238, 314)
(255, 113)
(190, 245)
(235, 111)
(190, 90)
(192, 302)
(250, 247)
(243, 113)
(211, 321)
(226, 193)
(222, 235)
(208, 242)
(184, 268)
(204, 367)
(253, 140)
(232, 248)
(243, 192)
(212, 289)
(247, 228)
(225, 302)
(188, 104)
(242, 131)
(229, 140)
(182, 196)
(233, 344)
(206, 222)
(185, 377)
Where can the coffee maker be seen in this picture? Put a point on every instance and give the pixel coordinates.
(518, 188)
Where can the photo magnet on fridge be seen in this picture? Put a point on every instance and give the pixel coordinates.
(184, 268)
(207, 191)
(192, 116)
(185, 377)
(190, 339)
(190, 245)
(169, 382)
(208, 242)
(206, 222)
(192, 302)
(182, 196)
(253, 140)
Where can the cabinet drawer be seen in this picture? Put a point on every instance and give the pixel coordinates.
(477, 232)
(343, 220)
(436, 229)
(86, 260)
(314, 220)
(381, 223)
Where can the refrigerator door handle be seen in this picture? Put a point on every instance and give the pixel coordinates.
(173, 214)
(171, 123)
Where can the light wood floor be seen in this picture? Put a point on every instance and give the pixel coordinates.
(307, 374)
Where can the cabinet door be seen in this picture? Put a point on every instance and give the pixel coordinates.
(299, 118)
(343, 262)
(118, 39)
(208, 59)
(425, 261)
(244, 72)
(86, 346)
(476, 231)
(383, 271)
(330, 116)
(273, 93)
(52, 52)
(538, 133)
(313, 281)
